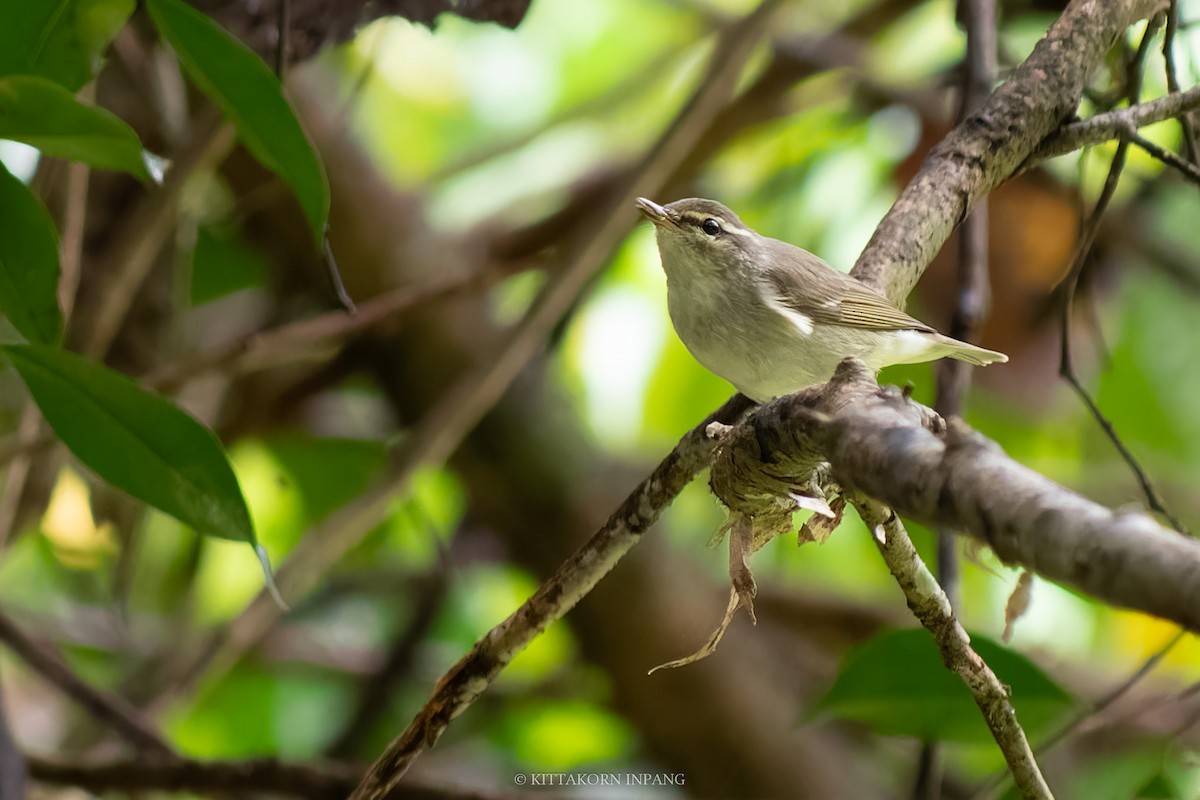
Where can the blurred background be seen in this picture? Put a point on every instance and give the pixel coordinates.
(469, 158)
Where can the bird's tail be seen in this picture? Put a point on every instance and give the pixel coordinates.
(978, 356)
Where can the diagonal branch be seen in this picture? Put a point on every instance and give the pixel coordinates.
(112, 710)
(992, 142)
(468, 679)
(931, 607)
(1186, 168)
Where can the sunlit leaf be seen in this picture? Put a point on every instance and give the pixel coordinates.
(328, 472)
(62, 40)
(42, 114)
(562, 735)
(135, 440)
(249, 94)
(28, 263)
(896, 683)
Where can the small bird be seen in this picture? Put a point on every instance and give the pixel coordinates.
(772, 318)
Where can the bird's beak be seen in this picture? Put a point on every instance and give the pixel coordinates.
(654, 212)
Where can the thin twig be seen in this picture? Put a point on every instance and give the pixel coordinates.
(1185, 120)
(295, 340)
(1087, 238)
(291, 341)
(932, 609)
(1187, 168)
(1101, 128)
(29, 432)
(283, 32)
(1066, 369)
(372, 697)
(622, 92)
(73, 230)
(111, 710)
(973, 291)
(992, 788)
(1114, 694)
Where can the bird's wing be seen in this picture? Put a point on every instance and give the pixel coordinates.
(791, 286)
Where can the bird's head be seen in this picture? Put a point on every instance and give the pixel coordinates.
(697, 236)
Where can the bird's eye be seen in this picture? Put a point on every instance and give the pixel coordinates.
(711, 227)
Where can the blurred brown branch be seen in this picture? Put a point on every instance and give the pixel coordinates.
(332, 781)
(113, 711)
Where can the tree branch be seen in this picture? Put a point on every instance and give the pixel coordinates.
(931, 607)
(474, 673)
(992, 142)
(309, 781)
(1113, 124)
(122, 718)
(954, 477)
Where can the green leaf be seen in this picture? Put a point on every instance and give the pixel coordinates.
(249, 94)
(328, 472)
(62, 40)
(28, 263)
(896, 683)
(1157, 788)
(41, 113)
(1116, 774)
(223, 263)
(135, 440)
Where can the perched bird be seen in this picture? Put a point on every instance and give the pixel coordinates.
(772, 318)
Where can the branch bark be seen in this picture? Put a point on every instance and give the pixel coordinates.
(1113, 124)
(902, 454)
(930, 605)
(992, 142)
(474, 673)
